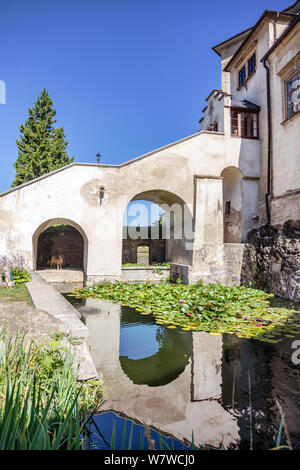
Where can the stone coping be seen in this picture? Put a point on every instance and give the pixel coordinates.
(146, 268)
(45, 297)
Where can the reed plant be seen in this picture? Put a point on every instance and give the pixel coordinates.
(41, 404)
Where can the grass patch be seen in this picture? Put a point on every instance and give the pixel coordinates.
(18, 293)
(214, 308)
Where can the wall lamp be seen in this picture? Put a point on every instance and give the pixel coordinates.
(101, 194)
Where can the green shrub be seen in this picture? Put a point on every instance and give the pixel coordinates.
(20, 276)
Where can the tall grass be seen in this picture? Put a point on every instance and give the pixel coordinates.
(41, 404)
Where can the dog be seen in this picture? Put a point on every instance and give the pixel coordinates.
(57, 261)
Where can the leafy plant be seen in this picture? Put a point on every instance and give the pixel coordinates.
(214, 308)
(41, 404)
(20, 276)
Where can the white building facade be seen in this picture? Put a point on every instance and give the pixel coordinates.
(240, 171)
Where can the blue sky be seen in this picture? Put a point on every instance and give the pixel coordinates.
(126, 76)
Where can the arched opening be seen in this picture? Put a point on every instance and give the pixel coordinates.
(232, 204)
(161, 221)
(60, 238)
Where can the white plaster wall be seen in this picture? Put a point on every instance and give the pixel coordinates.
(286, 135)
(214, 112)
(73, 194)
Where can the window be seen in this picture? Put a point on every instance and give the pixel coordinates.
(244, 124)
(242, 75)
(227, 207)
(251, 65)
(247, 70)
(293, 95)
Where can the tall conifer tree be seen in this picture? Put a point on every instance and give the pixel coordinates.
(42, 148)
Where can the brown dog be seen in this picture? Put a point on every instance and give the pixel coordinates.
(57, 261)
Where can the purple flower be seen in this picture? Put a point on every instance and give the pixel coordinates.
(182, 301)
(15, 262)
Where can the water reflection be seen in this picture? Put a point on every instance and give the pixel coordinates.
(184, 382)
(151, 354)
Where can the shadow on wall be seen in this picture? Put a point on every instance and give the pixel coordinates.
(232, 204)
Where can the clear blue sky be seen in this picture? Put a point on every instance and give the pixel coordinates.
(126, 76)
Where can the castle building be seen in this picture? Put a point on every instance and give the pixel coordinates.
(239, 172)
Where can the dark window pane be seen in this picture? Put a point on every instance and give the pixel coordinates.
(251, 65)
(242, 75)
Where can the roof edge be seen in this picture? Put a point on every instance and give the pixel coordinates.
(281, 37)
(262, 17)
(230, 39)
(105, 165)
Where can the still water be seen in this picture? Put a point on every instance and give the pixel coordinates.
(183, 382)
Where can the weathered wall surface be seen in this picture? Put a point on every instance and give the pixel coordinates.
(272, 260)
(284, 62)
(71, 196)
(68, 244)
(228, 271)
(157, 250)
(145, 274)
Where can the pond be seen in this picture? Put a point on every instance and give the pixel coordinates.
(187, 384)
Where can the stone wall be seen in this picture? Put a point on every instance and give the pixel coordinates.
(157, 250)
(68, 243)
(272, 259)
(145, 274)
(228, 270)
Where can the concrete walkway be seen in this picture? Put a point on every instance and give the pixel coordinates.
(46, 297)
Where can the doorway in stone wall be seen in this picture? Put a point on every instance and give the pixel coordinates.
(63, 241)
(232, 204)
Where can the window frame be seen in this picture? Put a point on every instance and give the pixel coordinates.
(245, 75)
(239, 112)
(253, 56)
(246, 67)
(287, 93)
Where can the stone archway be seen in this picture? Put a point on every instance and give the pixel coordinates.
(178, 231)
(59, 222)
(232, 204)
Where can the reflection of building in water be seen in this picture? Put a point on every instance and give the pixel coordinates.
(272, 377)
(207, 366)
(184, 405)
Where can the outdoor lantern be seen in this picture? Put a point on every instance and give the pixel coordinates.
(101, 194)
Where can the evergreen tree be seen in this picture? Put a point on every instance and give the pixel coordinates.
(42, 148)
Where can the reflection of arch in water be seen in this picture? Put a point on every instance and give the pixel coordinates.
(174, 351)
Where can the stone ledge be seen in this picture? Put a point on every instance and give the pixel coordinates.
(45, 297)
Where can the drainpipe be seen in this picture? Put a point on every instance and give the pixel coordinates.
(269, 119)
